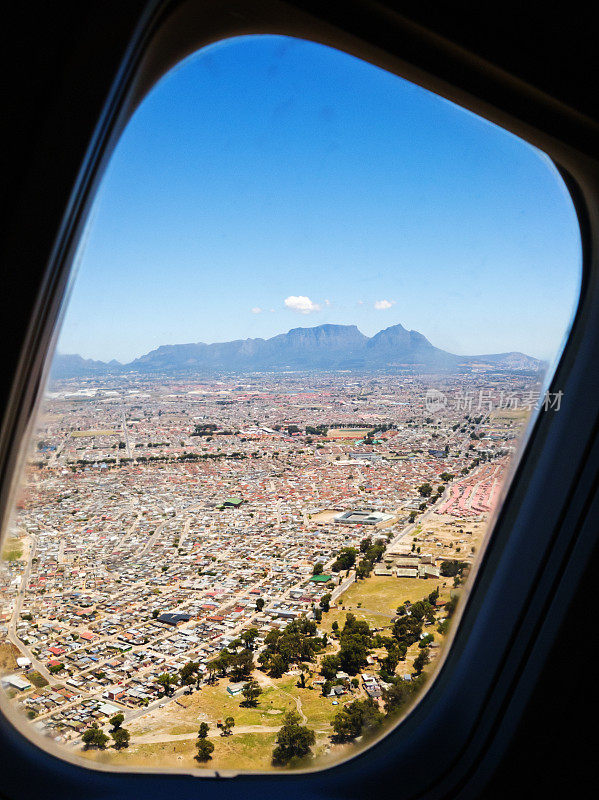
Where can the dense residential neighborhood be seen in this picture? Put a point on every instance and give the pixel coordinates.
(164, 519)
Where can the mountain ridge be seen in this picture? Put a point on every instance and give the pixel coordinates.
(322, 347)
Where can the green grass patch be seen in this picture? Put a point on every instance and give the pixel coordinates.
(36, 679)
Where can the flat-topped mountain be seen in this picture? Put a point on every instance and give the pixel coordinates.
(322, 347)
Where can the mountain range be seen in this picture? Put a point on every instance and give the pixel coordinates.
(324, 347)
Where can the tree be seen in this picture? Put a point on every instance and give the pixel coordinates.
(391, 660)
(277, 666)
(375, 551)
(346, 558)
(433, 596)
(213, 668)
(188, 673)
(251, 691)
(422, 609)
(294, 741)
(221, 663)
(363, 569)
(421, 660)
(259, 604)
(228, 726)
(203, 731)
(317, 568)
(121, 738)
(357, 718)
(407, 630)
(242, 665)
(451, 568)
(295, 643)
(205, 749)
(329, 667)
(167, 682)
(399, 694)
(116, 721)
(425, 490)
(355, 641)
(248, 637)
(365, 544)
(353, 653)
(325, 602)
(94, 737)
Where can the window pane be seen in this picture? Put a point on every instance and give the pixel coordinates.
(245, 553)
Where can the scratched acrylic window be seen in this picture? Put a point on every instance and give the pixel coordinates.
(315, 309)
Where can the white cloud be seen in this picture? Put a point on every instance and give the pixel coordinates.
(382, 305)
(256, 310)
(301, 303)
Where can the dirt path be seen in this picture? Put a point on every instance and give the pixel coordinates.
(160, 738)
(265, 680)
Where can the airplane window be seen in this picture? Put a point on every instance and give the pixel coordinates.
(314, 313)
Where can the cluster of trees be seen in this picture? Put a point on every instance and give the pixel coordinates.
(232, 661)
(362, 717)
(346, 558)
(355, 642)
(452, 567)
(120, 735)
(371, 553)
(94, 737)
(204, 429)
(236, 661)
(168, 683)
(450, 608)
(204, 746)
(294, 644)
(316, 430)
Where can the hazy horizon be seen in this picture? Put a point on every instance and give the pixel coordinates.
(266, 181)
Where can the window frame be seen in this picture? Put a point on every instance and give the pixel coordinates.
(544, 534)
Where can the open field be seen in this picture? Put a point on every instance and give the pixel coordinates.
(36, 679)
(449, 537)
(324, 516)
(166, 737)
(12, 550)
(510, 414)
(376, 598)
(214, 703)
(8, 658)
(244, 751)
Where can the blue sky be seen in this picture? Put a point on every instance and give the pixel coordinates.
(268, 183)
